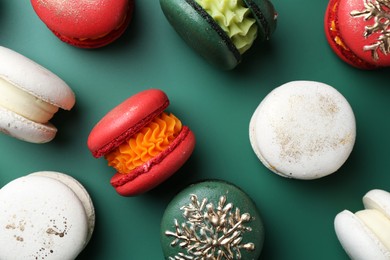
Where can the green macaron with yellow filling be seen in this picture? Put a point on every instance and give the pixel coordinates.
(221, 30)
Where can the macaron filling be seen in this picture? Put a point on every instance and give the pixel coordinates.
(152, 140)
(378, 223)
(235, 19)
(25, 104)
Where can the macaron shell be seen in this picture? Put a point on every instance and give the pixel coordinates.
(83, 18)
(35, 79)
(125, 120)
(357, 240)
(236, 200)
(379, 200)
(41, 218)
(303, 130)
(157, 173)
(352, 32)
(197, 32)
(79, 190)
(265, 15)
(21, 128)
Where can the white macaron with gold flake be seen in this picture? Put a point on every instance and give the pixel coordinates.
(303, 130)
(45, 215)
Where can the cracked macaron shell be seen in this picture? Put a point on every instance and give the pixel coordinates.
(213, 190)
(205, 36)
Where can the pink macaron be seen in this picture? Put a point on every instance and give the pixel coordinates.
(142, 142)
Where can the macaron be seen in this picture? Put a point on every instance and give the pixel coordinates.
(30, 96)
(45, 215)
(85, 23)
(303, 130)
(357, 31)
(365, 235)
(212, 219)
(145, 144)
(221, 31)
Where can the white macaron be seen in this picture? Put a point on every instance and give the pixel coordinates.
(30, 95)
(45, 215)
(365, 235)
(303, 130)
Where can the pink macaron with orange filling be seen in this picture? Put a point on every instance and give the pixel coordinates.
(85, 23)
(142, 142)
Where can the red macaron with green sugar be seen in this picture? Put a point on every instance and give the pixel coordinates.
(85, 23)
(145, 144)
(221, 31)
(358, 32)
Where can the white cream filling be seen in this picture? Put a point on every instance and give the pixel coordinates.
(378, 223)
(25, 104)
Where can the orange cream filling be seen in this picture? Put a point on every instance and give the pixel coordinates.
(149, 142)
(340, 44)
(333, 28)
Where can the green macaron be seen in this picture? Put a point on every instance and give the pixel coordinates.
(221, 31)
(212, 220)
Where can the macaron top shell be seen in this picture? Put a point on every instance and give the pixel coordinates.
(125, 120)
(36, 80)
(41, 218)
(82, 18)
(303, 130)
(208, 217)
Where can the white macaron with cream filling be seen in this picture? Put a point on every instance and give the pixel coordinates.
(365, 235)
(45, 215)
(303, 130)
(30, 95)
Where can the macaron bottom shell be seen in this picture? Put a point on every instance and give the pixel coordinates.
(93, 43)
(23, 129)
(196, 221)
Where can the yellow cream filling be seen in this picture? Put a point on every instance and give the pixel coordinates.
(25, 104)
(235, 19)
(149, 142)
(378, 223)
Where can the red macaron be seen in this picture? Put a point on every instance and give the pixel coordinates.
(85, 23)
(358, 32)
(145, 144)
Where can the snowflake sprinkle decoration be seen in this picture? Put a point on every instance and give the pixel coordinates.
(379, 11)
(211, 233)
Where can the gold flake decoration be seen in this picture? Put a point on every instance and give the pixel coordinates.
(379, 12)
(211, 233)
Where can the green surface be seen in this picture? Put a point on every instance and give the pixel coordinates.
(217, 105)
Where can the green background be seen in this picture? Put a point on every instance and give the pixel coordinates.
(217, 106)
